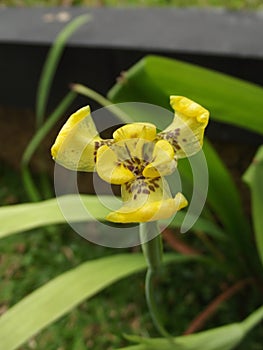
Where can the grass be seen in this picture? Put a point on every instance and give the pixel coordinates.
(231, 4)
(30, 259)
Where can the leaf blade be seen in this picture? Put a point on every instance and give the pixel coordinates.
(60, 295)
(220, 338)
(154, 78)
(51, 64)
(22, 217)
(253, 177)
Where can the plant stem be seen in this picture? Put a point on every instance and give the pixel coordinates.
(152, 248)
(151, 242)
(30, 186)
(86, 91)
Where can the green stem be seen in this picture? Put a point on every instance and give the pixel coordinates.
(152, 248)
(151, 242)
(30, 186)
(84, 90)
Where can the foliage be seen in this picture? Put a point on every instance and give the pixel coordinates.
(253, 177)
(66, 291)
(224, 243)
(153, 78)
(44, 88)
(221, 338)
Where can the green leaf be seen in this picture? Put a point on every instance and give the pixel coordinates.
(46, 127)
(221, 338)
(90, 93)
(223, 196)
(60, 295)
(30, 186)
(202, 224)
(51, 64)
(22, 217)
(153, 79)
(253, 177)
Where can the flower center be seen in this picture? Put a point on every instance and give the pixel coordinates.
(134, 154)
(142, 186)
(135, 165)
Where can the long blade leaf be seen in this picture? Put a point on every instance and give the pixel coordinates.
(253, 177)
(22, 217)
(153, 79)
(51, 64)
(221, 338)
(30, 186)
(60, 295)
(46, 127)
(57, 297)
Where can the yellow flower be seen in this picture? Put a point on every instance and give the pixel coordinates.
(137, 158)
(138, 162)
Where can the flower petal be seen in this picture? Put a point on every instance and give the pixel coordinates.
(77, 142)
(147, 200)
(146, 131)
(186, 132)
(149, 212)
(110, 169)
(163, 160)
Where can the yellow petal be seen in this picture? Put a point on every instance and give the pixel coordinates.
(76, 144)
(186, 132)
(147, 200)
(189, 109)
(180, 201)
(150, 211)
(146, 131)
(163, 160)
(110, 169)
